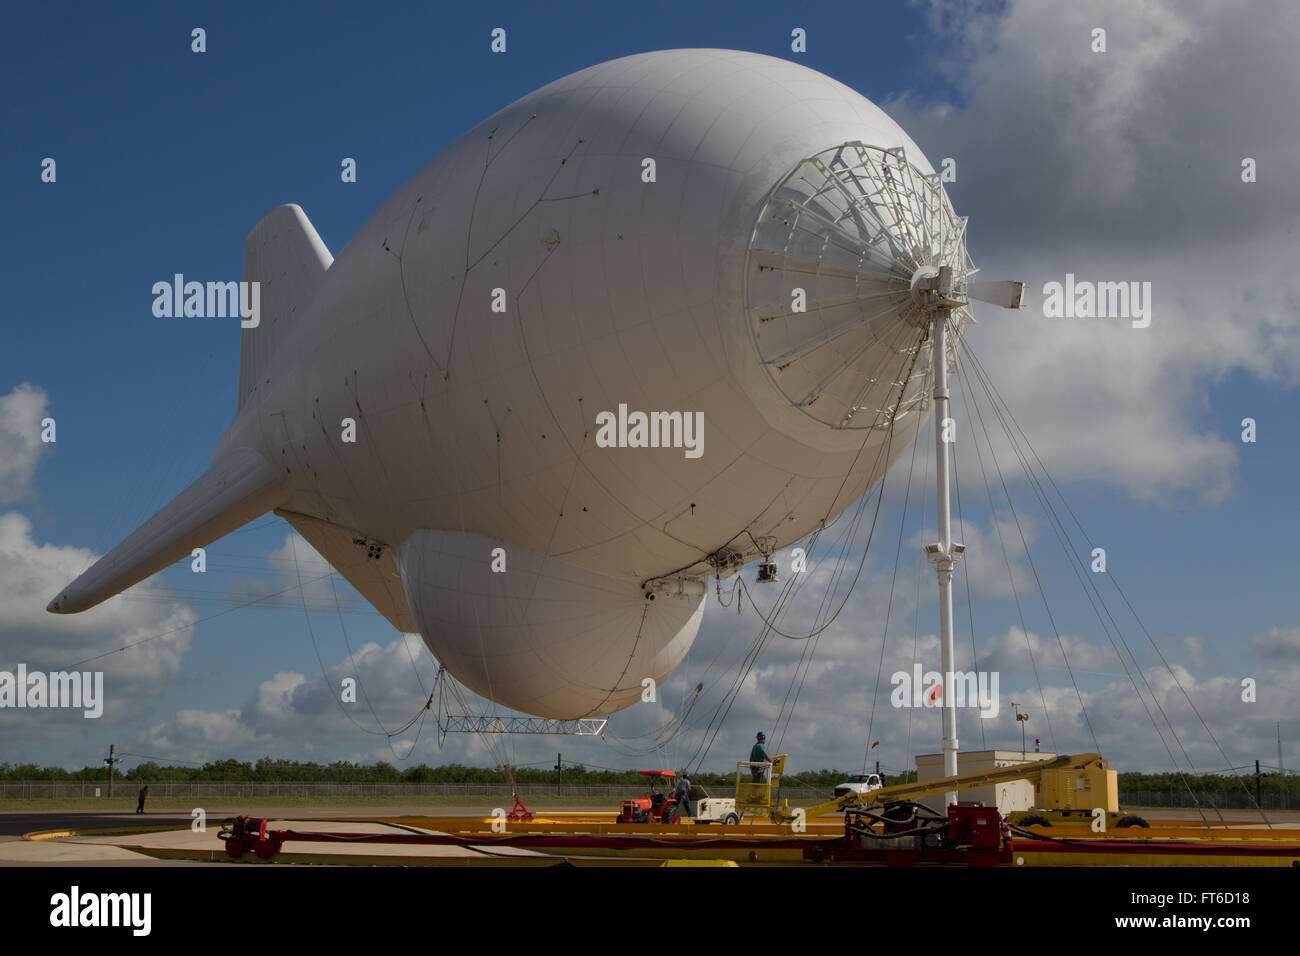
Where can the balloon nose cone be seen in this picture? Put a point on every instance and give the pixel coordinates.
(922, 280)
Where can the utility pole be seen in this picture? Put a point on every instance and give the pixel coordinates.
(559, 765)
(110, 760)
(1259, 800)
(1279, 748)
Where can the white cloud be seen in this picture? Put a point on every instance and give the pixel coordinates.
(214, 734)
(1279, 643)
(1015, 652)
(30, 574)
(1126, 729)
(289, 712)
(21, 412)
(295, 574)
(1126, 166)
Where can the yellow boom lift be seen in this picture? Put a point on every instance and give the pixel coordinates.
(1067, 784)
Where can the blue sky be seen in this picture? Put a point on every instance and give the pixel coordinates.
(166, 158)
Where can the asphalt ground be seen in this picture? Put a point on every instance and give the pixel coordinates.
(15, 823)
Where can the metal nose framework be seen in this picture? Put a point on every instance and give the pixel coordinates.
(840, 282)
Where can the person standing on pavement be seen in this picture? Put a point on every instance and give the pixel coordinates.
(683, 795)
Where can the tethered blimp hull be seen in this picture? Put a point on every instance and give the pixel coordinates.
(705, 238)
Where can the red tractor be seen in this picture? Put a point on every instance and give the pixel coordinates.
(658, 807)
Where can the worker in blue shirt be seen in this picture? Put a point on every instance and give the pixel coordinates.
(756, 755)
(683, 795)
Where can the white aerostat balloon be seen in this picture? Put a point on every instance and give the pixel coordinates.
(594, 379)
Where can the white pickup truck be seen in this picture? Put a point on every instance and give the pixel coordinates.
(859, 783)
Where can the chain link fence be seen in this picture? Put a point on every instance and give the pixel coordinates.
(1223, 800)
(67, 789)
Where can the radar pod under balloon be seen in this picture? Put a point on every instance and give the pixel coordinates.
(708, 237)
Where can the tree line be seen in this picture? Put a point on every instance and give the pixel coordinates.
(281, 771)
(268, 770)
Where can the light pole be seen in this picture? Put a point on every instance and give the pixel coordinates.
(110, 760)
(1020, 719)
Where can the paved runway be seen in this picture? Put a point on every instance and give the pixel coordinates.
(14, 825)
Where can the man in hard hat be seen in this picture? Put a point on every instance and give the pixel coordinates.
(759, 754)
